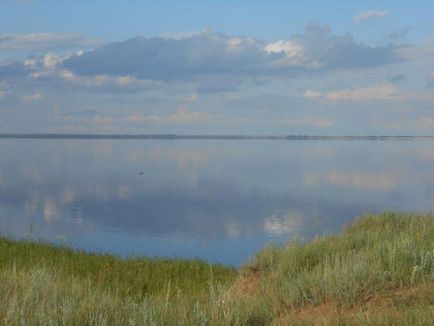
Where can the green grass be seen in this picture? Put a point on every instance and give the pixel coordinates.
(363, 267)
(136, 278)
(378, 270)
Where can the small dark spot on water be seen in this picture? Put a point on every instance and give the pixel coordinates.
(141, 172)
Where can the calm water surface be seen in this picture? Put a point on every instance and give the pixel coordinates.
(218, 200)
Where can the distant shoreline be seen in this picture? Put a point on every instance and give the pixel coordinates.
(209, 137)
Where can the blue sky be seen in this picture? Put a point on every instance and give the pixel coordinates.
(250, 67)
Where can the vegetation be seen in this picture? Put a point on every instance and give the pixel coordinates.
(379, 270)
(136, 278)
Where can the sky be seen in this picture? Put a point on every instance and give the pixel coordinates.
(217, 67)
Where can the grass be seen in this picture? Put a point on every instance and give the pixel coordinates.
(136, 278)
(378, 270)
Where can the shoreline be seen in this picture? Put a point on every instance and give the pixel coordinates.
(213, 137)
(379, 269)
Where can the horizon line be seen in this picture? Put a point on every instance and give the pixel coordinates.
(209, 136)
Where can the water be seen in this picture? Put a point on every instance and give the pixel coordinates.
(218, 200)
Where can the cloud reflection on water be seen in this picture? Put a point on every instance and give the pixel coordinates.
(208, 192)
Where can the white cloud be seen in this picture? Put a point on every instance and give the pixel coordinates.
(185, 116)
(32, 98)
(293, 53)
(181, 116)
(316, 122)
(377, 92)
(50, 60)
(30, 63)
(65, 77)
(368, 15)
(4, 88)
(311, 94)
(178, 36)
(44, 41)
(208, 54)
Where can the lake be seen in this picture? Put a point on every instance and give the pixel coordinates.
(217, 200)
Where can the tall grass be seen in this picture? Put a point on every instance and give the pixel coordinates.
(136, 277)
(379, 270)
(371, 259)
(43, 297)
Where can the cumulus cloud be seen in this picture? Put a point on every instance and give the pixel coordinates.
(44, 41)
(209, 53)
(165, 59)
(369, 15)
(13, 70)
(50, 60)
(294, 53)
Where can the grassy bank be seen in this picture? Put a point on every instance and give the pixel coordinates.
(135, 278)
(378, 270)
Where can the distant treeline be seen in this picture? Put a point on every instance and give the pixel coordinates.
(211, 137)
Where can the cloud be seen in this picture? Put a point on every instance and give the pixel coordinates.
(316, 122)
(399, 34)
(13, 70)
(44, 41)
(167, 59)
(294, 53)
(369, 15)
(378, 92)
(32, 98)
(181, 116)
(50, 60)
(188, 116)
(312, 94)
(218, 85)
(100, 83)
(415, 122)
(4, 89)
(204, 54)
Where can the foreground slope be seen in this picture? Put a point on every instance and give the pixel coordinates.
(379, 270)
